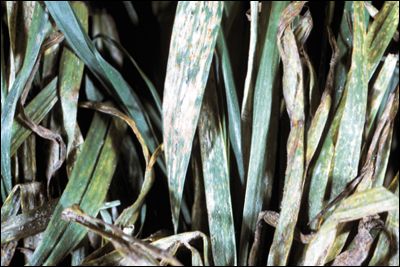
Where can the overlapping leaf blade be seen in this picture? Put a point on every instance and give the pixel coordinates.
(80, 43)
(357, 206)
(192, 45)
(293, 91)
(350, 132)
(261, 155)
(234, 122)
(70, 78)
(38, 31)
(216, 179)
(74, 192)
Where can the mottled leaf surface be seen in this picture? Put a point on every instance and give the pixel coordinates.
(193, 39)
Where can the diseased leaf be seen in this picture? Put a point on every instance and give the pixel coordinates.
(380, 33)
(74, 191)
(37, 33)
(350, 132)
(234, 122)
(26, 224)
(386, 252)
(25, 197)
(319, 121)
(293, 91)
(130, 214)
(70, 78)
(345, 42)
(293, 157)
(178, 240)
(136, 250)
(358, 205)
(193, 40)
(362, 243)
(216, 179)
(37, 109)
(80, 43)
(379, 88)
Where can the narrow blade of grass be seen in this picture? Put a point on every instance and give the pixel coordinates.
(19, 18)
(323, 64)
(130, 214)
(247, 104)
(3, 72)
(216, 179)
(234, 122)
(380, 33)
(80, 43)
(258, 177)
(11, 10)
(70, 78)
(37, 109)
(320, 119)
(302, 30)
(76, 187)
(379, 88)
(385, 145)
(293, 91)
(193, 40)
(37, 32)
(384, 253)
(345, 42)
(350, 133)
(95, 193)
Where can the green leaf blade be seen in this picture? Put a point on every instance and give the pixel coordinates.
(348, 144)
(216, 180)
(192, 46)
(38, 31)
(264, 95)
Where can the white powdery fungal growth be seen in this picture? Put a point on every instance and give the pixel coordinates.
(193, 40)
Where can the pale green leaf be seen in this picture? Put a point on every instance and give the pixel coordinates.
(192, 45)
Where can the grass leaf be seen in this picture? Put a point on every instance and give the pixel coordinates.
(37, 32)
(293, 91)
(359, 205)
(380, 33)
(247, 104)
(216, 179)
(234, 122)
(348, 144)
(37, 110)
(187, 73)
(74, 191)
(258, 177)
(80, 43)
(379, 88)
(382, 253)
(70, 78)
